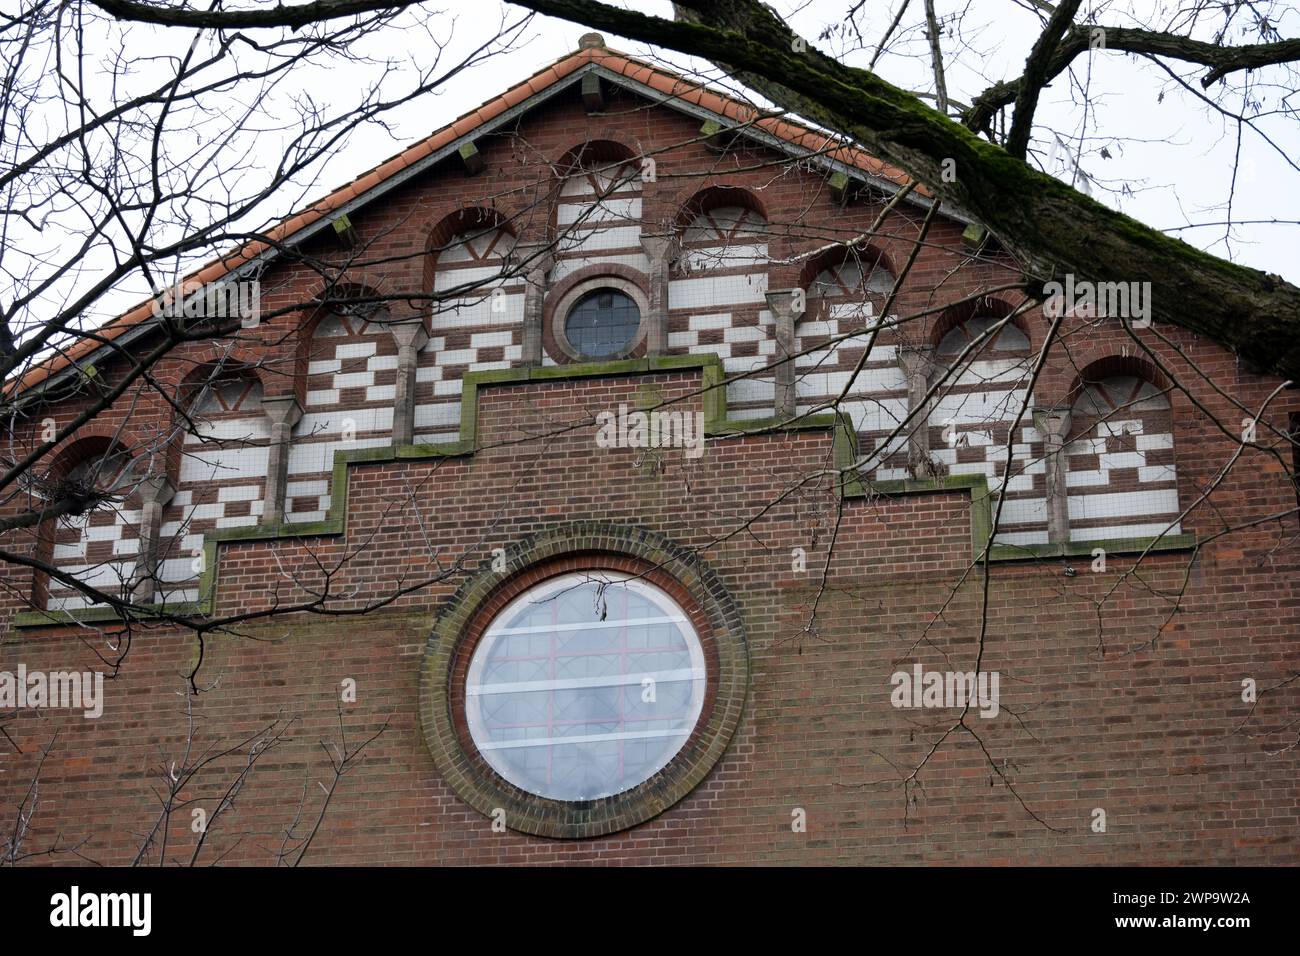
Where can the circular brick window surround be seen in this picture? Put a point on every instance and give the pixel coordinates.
(569, 298)
(677, 604)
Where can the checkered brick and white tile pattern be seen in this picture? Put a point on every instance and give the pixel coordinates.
(1120, 469)
(478, 330)
(1121, 477)
(221, 483)
(874, 396)
(971, 422)
(351, 385)
(98, 548)
(717, 304)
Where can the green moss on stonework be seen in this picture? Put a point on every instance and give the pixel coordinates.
(1066, 549)
(981, 512)
(100, 614)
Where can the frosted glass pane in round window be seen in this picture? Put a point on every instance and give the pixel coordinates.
(585, 686)
(602, 323)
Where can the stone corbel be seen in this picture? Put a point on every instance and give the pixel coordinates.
(782, 304)
(283, 412)
(411, 336)
(152, 494)
(536, 260)
(660, 249)
(1054, 425)
(915, 361)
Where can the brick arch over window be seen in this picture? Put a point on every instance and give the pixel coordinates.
(93, 439)
(478, 325)
(723, 235)
(1121, 473)
(1109, 366)
(197, 391)
(600, 169)
(472, 232)
(848, 273)
(722, 228)
(985, 307)
(98, 544)
(983, 408)
(221, 477)
(600, 161)
(716, 197)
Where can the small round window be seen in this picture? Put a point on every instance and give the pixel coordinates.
(602, 323)
(585, 686)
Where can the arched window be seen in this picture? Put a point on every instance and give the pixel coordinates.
(221, 478)
(1120, 471)
(724, 236)
(235, 396)
(987, 362)
(598, 207)
(98, 542)
(851, 277)
(985, 390)
(469, 262)
(721, 273)
(598, 170)
(984, 339)
(225, 443)
(475, 249)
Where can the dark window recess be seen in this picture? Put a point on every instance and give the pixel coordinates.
(602, 323)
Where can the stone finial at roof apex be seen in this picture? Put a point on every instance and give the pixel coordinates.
(591, 41)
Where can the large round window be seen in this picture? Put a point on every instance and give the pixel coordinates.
(585, 686)
(602, 323)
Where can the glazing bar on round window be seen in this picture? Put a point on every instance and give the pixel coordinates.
(612, 680)
(589, 625)
(583, 739)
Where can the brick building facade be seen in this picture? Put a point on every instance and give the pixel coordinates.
(432, 461)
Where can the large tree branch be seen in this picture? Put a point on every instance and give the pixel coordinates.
(1022, 123)
(300, 15)
(936, 58)
(68, 505)
(1080, 37)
